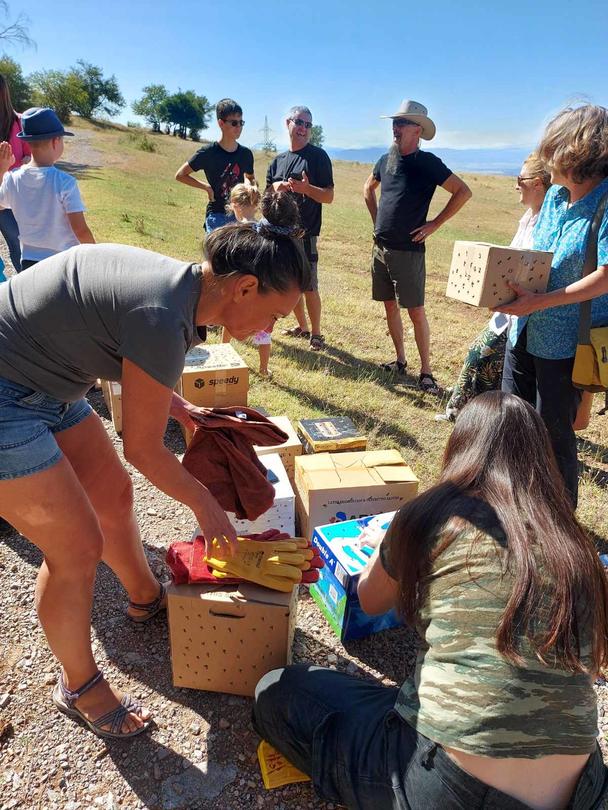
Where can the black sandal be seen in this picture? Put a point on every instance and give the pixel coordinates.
(296, 332)
(395, 366)
(65, 699)
(428, 384)
(149, 609)
(317, 342)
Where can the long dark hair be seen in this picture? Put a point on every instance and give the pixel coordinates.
(499, 454)
(8, 116)
(273, 253)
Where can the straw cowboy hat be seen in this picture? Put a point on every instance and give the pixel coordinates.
(418, 113)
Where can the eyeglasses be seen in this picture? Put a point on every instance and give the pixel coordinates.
(404, 122)
(300, 122)
(520, 179)
(234, 123)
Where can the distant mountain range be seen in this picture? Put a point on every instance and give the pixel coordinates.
(480, 161)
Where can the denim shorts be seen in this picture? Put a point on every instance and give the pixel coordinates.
(28, 421)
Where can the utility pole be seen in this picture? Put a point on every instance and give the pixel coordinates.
(268, 145)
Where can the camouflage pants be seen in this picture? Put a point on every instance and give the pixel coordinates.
(482, 369)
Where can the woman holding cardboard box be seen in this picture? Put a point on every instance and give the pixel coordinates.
(511, 601)
(126, 314)
(543, 337)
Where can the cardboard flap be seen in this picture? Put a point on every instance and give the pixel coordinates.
(249, 592)
(396, 474)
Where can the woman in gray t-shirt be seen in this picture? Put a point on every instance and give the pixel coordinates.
(126, 314)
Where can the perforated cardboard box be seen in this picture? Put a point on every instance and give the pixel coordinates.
(288, 451)
(112, 394)
(225, 639)
(479, 272)
(331, 487)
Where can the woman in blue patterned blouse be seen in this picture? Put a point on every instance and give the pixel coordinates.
(543, 336)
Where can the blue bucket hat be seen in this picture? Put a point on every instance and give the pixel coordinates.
(40, 124)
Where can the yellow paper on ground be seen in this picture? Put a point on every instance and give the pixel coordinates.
(276, 770)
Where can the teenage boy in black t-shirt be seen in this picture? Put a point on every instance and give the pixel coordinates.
(225, 163)
(408, 178)
(305, 170)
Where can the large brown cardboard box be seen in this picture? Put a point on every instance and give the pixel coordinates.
(214, 376)
(288, 450)
(479, 272)
(331, 487)
(225, 639)
(112, 394)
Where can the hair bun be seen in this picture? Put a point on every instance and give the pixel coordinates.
(280, 209)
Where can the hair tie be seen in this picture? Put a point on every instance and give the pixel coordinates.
(280, 230)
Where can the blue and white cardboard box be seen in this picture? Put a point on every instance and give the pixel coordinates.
(346, 554)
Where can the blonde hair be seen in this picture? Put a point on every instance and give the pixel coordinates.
(245, 195)
(536, 168)
(575, 142)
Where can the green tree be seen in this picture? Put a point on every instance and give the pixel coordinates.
(62, 91)
(15, 32)
(316, 135)
(184, 111)
(21, 92)
(149, 106)
(101, 94)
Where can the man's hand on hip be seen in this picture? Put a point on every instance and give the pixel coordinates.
(424, 231)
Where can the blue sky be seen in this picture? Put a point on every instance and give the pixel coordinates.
(490, 75)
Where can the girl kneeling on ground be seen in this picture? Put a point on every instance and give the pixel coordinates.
(511, 602)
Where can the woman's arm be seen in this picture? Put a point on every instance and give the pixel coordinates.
(145, 409)
(377, 591)
(591, 286)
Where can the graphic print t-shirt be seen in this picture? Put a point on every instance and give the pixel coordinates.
(223, 171)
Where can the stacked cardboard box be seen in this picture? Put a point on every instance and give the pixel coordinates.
(225, 639)
(288, 450)
(331, 487)
(112, 394)
(330, 434)
(480, 271)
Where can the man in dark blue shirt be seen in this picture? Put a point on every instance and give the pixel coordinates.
(408, 178)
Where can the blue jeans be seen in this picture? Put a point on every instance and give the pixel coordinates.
(344, 733)
(29, 421)
(214, 221)
(547, 386)
(10, 231)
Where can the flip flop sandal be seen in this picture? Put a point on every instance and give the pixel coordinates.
(64, 700)
(428, 384)
(296, 332)
(317, 342)
(149, 609)
(395, 366)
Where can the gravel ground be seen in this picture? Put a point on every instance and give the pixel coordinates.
(202, 753)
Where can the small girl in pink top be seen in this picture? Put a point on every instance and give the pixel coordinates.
(10, 125)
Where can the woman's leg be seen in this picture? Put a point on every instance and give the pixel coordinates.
(108, 486)
(52, 510)
(10, 231)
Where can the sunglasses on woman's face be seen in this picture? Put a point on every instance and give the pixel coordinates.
(520, 179)
(234, 123)
(300, 122)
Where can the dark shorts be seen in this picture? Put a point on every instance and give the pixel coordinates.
(345, 734)
(29, 421)
(312, 254)
(399, 274)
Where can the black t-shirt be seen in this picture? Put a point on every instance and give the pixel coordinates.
(405, 197)
(317, 165)
(223, 171)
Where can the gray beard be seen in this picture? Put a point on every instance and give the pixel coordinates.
(394, 157)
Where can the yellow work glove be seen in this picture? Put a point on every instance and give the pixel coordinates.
(273, 564)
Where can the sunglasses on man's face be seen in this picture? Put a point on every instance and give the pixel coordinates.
(300, 122)
(234, 123)
(404, 122)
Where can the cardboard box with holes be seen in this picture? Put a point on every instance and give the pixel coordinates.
(225, 639)
(480, 271)
(112, 395)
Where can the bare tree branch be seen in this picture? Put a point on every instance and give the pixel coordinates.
(17, 31)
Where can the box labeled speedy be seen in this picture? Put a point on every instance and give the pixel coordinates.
(224, 639)
(332, 487)
(214, 376)
(480, 271)
(345, 551)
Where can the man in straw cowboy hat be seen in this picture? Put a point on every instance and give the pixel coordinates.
(408, 178)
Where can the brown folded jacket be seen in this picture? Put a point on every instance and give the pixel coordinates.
(221, 456)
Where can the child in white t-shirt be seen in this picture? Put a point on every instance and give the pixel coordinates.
(46, 202)
(244, 202)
